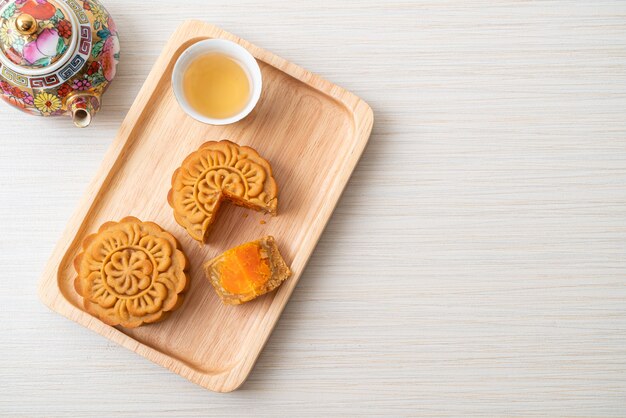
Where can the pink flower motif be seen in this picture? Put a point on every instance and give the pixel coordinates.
(31, 53)
(20, 1)
(111, 25)
(47, 42)
(109, 63)
(81, 85)
(28, 98)
(44, 46)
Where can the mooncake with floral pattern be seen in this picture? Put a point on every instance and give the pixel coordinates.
(220, 171)
(131, 273)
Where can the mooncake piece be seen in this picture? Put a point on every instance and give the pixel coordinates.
(131, 273)
(220, 171)
(248, 271)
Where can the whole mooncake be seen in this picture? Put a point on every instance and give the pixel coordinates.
(131, 273)
(248, 271)
(220, 171)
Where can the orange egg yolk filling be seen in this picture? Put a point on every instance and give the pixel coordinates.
(243, 270)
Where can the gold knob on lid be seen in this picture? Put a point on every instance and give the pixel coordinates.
(26, 24)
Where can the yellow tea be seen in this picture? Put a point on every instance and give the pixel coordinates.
(216, 86)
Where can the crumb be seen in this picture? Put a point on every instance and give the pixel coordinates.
(245, 215)
(263, 222)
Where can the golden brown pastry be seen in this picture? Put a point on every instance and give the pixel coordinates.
(131, 273)
(248, 271)
(218, 171)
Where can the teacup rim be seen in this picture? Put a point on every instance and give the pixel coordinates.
(231, 49)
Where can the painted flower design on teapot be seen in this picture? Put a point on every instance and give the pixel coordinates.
(57, 57)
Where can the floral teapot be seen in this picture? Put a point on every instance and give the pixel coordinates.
(57, 57)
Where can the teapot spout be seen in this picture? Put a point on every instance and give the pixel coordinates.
(83, 107)
(81, 117)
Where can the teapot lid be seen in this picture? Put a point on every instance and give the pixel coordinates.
(36, 36)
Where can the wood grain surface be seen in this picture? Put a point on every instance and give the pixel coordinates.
(475, 265)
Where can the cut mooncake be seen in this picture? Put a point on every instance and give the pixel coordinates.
(220, 171)
(131, 273)
(248, 271)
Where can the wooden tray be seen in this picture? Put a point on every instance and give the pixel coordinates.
(311, 131)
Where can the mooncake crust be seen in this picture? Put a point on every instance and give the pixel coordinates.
(131, 273)
(215, 172)
(280, 272)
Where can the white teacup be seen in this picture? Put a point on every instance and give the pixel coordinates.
(230, 49)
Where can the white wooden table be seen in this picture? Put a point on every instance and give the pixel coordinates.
(476, 264)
